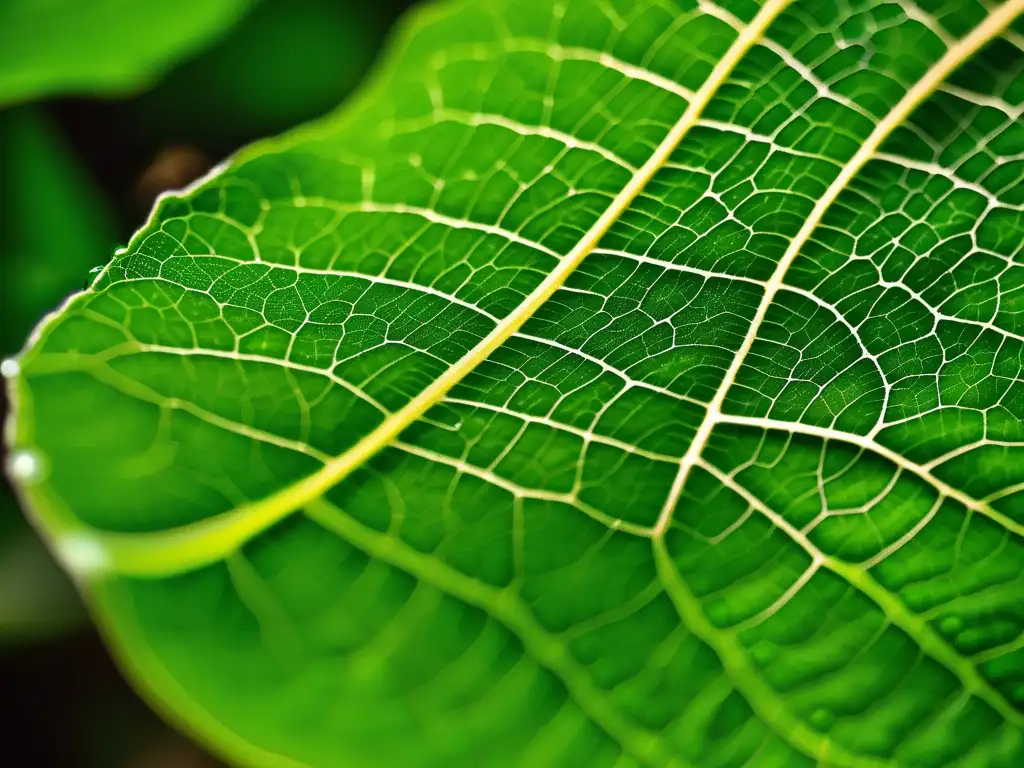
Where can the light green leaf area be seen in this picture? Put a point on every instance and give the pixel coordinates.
(52, 47)
(612, 384)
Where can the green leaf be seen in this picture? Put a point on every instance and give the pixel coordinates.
(611, 384)
(287, 61)
(52, 47)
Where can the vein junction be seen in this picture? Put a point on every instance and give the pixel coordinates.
(795, 327)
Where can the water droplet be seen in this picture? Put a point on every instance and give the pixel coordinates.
(822, 719)
(26, 466)
(95, 270)
(82, 554)
(10, 368)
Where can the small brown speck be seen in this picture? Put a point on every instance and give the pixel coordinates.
(172, 168)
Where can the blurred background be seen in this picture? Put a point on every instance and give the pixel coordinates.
(103, 105)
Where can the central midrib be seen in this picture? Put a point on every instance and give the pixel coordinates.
(209, 540)
(997, 21)
(761, 698)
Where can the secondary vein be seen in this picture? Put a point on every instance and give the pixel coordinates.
(994, 24)
(207, 541)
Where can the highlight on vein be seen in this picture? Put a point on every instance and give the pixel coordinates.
(603, 384)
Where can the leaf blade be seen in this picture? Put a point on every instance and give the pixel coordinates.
(569, 487)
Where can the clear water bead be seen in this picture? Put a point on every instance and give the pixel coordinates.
(82, 554)
(26, 466)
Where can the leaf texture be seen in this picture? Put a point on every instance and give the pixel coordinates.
(612, 384)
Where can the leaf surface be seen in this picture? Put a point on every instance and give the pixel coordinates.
(50, 47)
(610, 384)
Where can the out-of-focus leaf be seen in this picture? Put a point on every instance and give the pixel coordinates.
(54, 223)
(100, 46)
(286, 62)
(36, 598)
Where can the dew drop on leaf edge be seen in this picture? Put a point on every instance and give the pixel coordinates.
(82, 554)
(27, 466)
